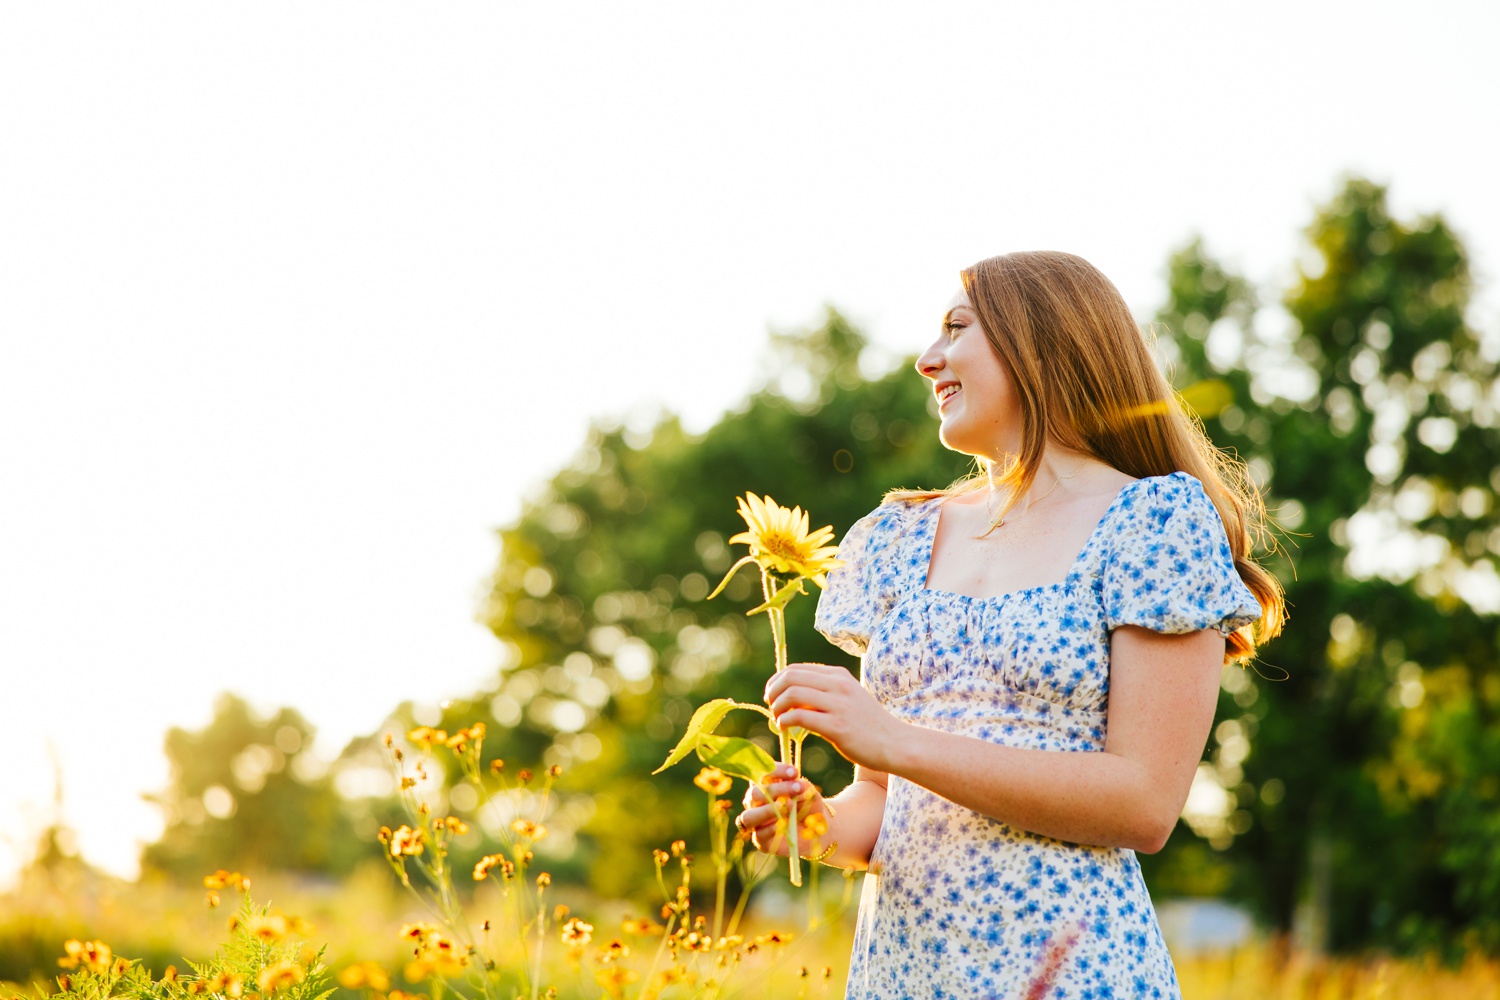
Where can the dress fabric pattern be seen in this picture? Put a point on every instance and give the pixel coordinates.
(960, 905)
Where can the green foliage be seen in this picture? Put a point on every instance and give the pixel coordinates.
(1367, 803)
(246, 792)
(261, 958)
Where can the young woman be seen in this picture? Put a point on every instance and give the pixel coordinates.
(1042, 647)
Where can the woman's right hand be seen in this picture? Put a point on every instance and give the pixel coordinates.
(766, 821)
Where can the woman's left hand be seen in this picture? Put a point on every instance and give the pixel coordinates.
(830, 702)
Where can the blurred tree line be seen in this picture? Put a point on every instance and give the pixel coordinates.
(1356, 766)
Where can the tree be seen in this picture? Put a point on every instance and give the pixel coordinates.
(246, 792)
(1364, 778)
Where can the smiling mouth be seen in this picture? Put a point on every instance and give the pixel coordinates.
(946, 393)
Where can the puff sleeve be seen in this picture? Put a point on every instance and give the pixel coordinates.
(1169, 568)
(859, 593)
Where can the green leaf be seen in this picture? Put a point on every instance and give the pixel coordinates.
(736, 756)
(727, 576)
(704, 721)
(781, 598)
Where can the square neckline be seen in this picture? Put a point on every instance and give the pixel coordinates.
(931, 540)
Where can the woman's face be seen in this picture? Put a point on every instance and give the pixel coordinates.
(977, 401)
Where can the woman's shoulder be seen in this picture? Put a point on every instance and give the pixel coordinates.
(1156, 494)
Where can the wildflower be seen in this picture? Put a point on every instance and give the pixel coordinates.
(722, 805)
(644, 927)
(561, 910)
(661, 856)
(279, 976)
(121, 966)
(459, 741)
(497, 765)
(426, 737)
(713, 781)
(408, 783)
(528, 830)
(418, 932)
(170, 975)
(813, 825)
(774, 937)
(454, 825)
(543, 880)
(94, 956)
(615, 950)
(222, 879)
(725, 943)
(363, 974)
(555, 770)
(614, 979)
(576, 933)
(678, 846)
(270, 927)
(780, 542)
(406, 841)
(523, 775)
(226, 983)
(212, 899)
(482, 868)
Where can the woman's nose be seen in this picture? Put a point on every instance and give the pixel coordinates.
(931, 362)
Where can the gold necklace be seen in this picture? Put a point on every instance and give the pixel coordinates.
(989, 498)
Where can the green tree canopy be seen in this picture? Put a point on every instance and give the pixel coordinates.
(247, 793)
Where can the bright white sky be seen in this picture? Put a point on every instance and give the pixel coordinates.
(297, 300)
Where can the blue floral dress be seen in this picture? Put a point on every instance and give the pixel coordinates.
(960, 905)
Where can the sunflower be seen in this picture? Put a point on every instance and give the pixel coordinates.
(780, 541)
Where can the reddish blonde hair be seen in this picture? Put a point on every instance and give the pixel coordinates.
(1087, 380)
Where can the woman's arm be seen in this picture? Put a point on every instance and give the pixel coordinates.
(854, 825)
(1162, 695)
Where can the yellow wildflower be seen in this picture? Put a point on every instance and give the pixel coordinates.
(121, 966)
(644, 927)
(418, 932)
(426, 737)
(615, 950)
(813, 825)
(678, 847)
(170, 975)
(775, 937)
(780, 541)
(713, 781)
(453, 824)
(577, 933)
(614, 979)
(497, 765)
(523, 775)
(270, 927)
(362, 974)
(406, 841)
(95, 956)
(661, 856)
(229, 984)
(280, 976)
(527, 829)
(543, 880)
(482, 868)
(222, 879)
(212, 899)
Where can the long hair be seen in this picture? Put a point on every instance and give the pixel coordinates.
(1086, 379)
